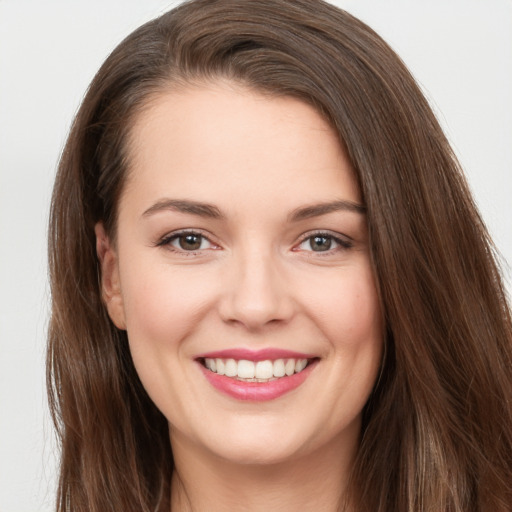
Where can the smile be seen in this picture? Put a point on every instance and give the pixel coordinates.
(255, 371)
(256, 375)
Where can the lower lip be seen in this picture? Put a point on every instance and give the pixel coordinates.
(257, 391)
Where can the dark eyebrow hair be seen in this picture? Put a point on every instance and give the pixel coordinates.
(185, 206)
(211, 211)
(315, 210)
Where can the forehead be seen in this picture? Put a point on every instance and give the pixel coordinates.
(225, 142)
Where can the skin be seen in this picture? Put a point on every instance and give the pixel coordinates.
(257, 281)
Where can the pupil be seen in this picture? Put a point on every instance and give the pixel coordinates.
(190, 242)
(321, 243)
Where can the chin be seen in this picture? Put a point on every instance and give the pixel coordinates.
(259, 444)
(260, 454)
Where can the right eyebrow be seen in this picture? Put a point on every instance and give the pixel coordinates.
(185, 206)
(317, 210)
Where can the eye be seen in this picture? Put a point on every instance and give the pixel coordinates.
(323, 242)
(187, 241)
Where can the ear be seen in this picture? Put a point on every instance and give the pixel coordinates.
(110, 282)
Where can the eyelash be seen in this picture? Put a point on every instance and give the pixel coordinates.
(167, 240)
(343, 244)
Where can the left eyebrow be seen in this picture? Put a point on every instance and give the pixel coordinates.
(185, 206)
(316, 210)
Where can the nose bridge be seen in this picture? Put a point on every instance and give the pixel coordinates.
(256, 293)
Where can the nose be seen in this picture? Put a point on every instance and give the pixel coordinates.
(256, 293)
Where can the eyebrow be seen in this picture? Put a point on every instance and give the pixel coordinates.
(212, 212)
(185, 206)
(316, 210)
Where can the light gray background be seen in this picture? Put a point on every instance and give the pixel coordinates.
(459, 50)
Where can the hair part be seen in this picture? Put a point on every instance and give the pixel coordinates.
(436, 430)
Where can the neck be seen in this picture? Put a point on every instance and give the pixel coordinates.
(313, 482)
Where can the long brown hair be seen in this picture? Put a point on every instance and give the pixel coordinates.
(437, 430)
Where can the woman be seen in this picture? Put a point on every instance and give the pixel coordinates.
(278, 293)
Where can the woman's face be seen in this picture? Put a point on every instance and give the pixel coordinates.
(242, 249)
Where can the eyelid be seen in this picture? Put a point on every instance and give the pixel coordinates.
(344, 242)
(165, 241)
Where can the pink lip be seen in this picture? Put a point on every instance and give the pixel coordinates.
(255, 355)
(257, 391)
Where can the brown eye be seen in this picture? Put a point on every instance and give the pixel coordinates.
(320, 243)
(190, 242)
(324, 242)
(187, 241)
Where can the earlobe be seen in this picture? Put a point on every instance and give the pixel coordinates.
(110, 282)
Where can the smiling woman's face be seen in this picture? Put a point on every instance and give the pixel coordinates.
(241, 256)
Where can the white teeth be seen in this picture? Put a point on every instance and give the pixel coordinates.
(260, 371)
(211, 364)
(289, 367)
(264, 370)
(220, 366)
(245, 369)
(279, 368)
(300, 365)
(231, 368)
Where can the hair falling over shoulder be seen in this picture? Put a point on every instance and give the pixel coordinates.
(437, 430)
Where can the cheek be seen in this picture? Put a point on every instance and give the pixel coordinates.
(163, 309)
(351, 322)
(163, 304)
(348, 310)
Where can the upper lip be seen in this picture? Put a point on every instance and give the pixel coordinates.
(255, 355)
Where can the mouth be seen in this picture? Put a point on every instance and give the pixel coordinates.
(255, 371)
(256, 376)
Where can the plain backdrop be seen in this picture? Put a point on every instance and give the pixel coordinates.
(459, 50)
